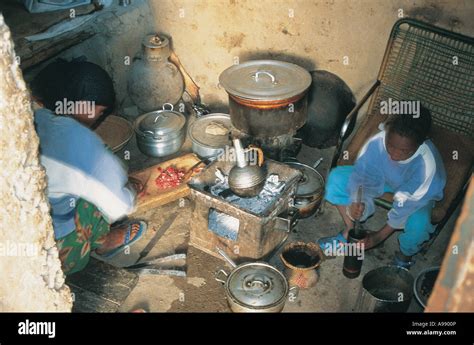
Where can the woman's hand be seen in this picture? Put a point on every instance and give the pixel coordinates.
(136, 184)
(356, 210)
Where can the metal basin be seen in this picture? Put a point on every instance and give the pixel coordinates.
(385, 289)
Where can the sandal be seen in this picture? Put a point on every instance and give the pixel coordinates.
(127, 242)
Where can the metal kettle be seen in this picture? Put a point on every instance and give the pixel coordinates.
(246, 180)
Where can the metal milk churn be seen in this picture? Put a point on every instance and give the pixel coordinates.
(153, 80)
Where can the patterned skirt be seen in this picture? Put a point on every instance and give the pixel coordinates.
(91, 229)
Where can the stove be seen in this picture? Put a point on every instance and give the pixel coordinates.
(280, 147)
(247, 229)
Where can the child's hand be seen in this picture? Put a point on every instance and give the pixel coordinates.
(356, 210)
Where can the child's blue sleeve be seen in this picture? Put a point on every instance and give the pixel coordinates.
(411, 196)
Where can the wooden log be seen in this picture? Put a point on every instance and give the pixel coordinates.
(189, 84)
(100, 287)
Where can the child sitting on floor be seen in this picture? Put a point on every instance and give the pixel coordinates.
(400, 159)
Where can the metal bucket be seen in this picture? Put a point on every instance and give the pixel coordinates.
(424, 284)
(385, 289)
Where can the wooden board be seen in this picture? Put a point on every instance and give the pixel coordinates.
(23, 24)
(154, 197)
(100, 287)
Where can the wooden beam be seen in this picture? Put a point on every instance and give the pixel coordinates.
(33, 53)
(24, 24)
(453, 290)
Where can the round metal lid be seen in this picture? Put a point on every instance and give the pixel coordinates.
(265, 80)
(257, 285)
(154, 41)
(161, 122)
(311, 180)
(198, 130)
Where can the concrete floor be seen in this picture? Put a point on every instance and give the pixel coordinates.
(199, 292)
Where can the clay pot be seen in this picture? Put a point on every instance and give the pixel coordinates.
(153, 80)
(301, 261)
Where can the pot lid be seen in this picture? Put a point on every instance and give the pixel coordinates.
(160, 122)
(257, 285)
(211, 130)
(310, 182)
(154, 41)
(156, 47)
(265, 80)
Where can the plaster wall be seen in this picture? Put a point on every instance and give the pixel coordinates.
(30, 270)
(345, 37)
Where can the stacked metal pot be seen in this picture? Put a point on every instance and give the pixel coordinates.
(254, 287)
(267, 99)
(310, 192)
(208, 144)
(160, 133)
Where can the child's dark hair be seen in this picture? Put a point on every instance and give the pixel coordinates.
(415, 128)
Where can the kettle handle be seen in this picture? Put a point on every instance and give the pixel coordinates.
(260, 155)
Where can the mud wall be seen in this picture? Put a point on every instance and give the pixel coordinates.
(345, 37)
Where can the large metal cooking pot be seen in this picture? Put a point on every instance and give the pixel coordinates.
(205, 143)
(310, 191)
(267, 98)
(255, 287)
(160, 133)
